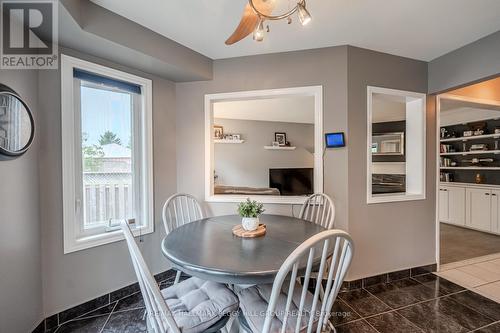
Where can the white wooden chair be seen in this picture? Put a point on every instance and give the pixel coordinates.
(198, 306)
(289, 307)
(178, 210)
(319, 209)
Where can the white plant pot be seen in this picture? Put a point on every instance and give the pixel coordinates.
(250, 223)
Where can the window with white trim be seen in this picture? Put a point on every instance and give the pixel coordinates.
(107, 153)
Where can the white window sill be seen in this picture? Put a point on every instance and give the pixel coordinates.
(385, 198)
(88, 242)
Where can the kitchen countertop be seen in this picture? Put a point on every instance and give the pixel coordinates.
(468, 185)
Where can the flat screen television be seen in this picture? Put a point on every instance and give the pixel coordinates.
(292, 181)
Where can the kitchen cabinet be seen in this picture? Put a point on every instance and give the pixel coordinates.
(495, 211)
(443, 204)
(456, 205)
(452, 205)
(471, 206)
(478, 208)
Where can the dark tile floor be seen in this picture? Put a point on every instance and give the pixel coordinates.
(459, 244)
(420, 304)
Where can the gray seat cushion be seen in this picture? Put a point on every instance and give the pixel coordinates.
(254, 302)
(197, 304)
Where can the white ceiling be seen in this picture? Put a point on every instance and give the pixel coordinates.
(419, 29)
(297, 109)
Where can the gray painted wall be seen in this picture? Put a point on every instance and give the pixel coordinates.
(384, 241)
(473, 62)
(388, 236)
(326, 67)
(20, 244)
(80, 276)
(248, 164)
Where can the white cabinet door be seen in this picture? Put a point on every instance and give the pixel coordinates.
(495, 213)
(443, 204)
(456, 205)
(479, 209)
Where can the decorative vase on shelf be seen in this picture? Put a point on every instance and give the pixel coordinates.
(479, 178)
(250, 212)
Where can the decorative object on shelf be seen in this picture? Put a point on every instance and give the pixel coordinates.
(218, 132)
(497, 130)
(443, 132)
(479, 178)
(468, 133)
(276, 144)
(280, 137)
(250, 211)
(478, 132)
(229, 138)
(258, 11)
(17, 126)
(479, 147)
(476, 161)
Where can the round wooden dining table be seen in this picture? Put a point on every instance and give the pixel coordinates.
(208, 249)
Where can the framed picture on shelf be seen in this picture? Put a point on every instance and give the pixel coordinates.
(280, 137)
(218, 132)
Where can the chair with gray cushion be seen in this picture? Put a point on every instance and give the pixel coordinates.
(178, 210)
(319, 209)
(191, 306)
(286, 307)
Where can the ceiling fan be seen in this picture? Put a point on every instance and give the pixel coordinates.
(257, 12)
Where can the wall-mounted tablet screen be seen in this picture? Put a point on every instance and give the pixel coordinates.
(335, 140)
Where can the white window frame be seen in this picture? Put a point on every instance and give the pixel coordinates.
(72, 205)
(314, 91)
(415, 162)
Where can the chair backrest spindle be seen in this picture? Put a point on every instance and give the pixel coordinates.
(312, 314)
(319, 209)
(180, 209)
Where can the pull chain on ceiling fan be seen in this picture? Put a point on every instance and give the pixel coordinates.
(258, 11)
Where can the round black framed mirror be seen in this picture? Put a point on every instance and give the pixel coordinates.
(17, 126)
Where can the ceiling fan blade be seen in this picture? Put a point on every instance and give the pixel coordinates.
(249, 20)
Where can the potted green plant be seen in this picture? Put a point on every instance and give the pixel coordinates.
(250, 212)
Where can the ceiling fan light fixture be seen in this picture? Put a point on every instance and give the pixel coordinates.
(304, 15)
(258, 34)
